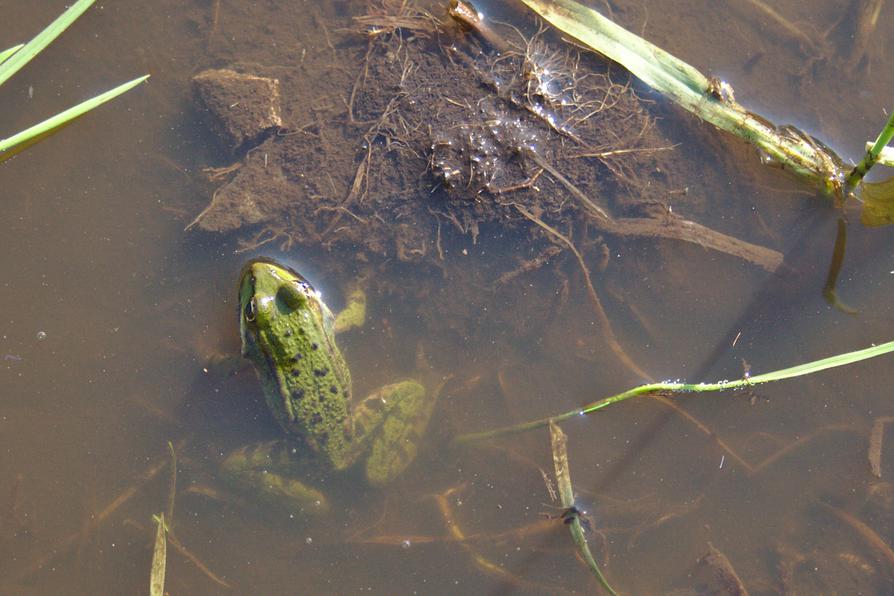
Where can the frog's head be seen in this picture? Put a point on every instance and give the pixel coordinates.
(273, 300)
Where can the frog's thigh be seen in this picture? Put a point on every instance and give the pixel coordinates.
(395, 442)
(268, 470)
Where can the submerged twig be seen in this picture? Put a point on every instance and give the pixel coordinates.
(603, 320)
(189, 556)
(876, 441)
(571, 516)
(676, 228)
(797, 443)
(671, 226)
(483, 562)
(65, 545)
(865, 532)
(707, 431)
(864, 16)
(169, 526)
(829, 291)
(172, 486)
(804, 41)
(537, 528)
(724, 571)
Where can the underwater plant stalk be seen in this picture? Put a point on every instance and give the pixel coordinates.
(571, 516)
(673, 387)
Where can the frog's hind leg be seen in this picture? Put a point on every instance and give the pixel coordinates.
(403, 411)
(270, 471)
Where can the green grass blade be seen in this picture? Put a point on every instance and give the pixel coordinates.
(671, 387)
(872, 153)
(42, 40)
(68, 115)
(7, 53)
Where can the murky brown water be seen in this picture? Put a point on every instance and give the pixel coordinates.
(110, 309)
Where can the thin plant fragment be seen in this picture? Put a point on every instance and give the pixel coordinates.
(724, 571)
(876, 441)
(159, 556)
(571, 515)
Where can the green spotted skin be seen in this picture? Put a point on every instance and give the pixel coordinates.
(288, 333)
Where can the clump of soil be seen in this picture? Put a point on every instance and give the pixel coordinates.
(441, 128)
(247, 105)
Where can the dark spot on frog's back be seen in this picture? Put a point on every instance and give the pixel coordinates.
(321, 372)
(298, 393)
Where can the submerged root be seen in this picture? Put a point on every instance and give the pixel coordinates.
(602, 319)
(482, 562)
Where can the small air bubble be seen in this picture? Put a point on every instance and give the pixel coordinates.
(308, 540)
(406, 544)
(41, 335)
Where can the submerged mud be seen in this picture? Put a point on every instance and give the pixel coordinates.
(428, 123)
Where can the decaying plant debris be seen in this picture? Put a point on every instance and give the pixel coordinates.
(445, 124)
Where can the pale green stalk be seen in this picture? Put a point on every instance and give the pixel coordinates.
(677, 387)
(873, 151)
(709, 99)
(42, 40)
(68, 115)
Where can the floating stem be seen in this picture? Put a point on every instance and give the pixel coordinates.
(668, 387)
(873, 152)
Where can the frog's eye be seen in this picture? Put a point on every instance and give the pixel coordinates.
(292, 295)
(251, 310)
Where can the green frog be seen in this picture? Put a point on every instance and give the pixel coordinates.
(288, 333)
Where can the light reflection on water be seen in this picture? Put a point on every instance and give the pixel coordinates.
(96, 259)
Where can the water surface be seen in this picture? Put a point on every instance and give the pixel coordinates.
(111, 311)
